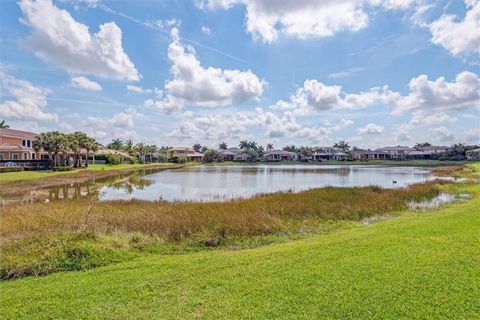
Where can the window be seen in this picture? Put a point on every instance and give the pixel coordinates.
(1, 156)
(33, 156)
(24, 143)
(15, 157)
(29, 143)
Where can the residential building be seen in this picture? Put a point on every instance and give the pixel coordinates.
(328, 153)
(473, 154)
(398, 152)
(17, 145)
(280, 155)
(233, 154)
(369, 155)
(188, 153)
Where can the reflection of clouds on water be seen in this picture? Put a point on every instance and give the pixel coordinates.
(221, 183)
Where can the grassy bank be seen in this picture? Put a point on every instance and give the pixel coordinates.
(80, 234)
(14, 182)
(414, 266)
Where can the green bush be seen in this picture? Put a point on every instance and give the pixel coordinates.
(134, 160)
(10, 169)
(178, 159)
(62, 168)
(114, 159)
(101, 156)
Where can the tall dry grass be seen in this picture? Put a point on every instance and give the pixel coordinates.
(260, 215)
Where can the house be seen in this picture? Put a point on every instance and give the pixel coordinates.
(280, 155)
(369, 155)
(329, 153)
(18, 145)
(233, 154)
(398, 152)
(473, 154)
(425, 152)
(187, 153)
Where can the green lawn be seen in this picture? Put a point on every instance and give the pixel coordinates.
(29, 175)
(415, 266)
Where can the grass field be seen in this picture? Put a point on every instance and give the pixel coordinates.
(412, 266)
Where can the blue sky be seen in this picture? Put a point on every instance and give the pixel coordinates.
(303, 72)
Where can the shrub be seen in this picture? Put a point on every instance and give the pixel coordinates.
(114, 159)
(101, 156)
(178, 159)
(10, 169)
(133, 160)
(62, 168)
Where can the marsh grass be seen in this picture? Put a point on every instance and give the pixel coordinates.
(80, 234)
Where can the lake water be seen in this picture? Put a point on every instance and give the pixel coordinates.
(220, 183)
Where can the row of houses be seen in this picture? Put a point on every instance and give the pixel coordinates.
(18, 145)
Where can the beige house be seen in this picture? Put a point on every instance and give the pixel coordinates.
(188, 153)
(18, 145)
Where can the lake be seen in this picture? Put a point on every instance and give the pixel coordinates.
(220, 183)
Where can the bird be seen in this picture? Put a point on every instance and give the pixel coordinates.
(394, 181)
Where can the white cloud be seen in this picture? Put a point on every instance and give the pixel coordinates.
(266, 19)
(440, 95)
(442, 134)
(85, 83)
(195, 85)
(164, 24)
(472, 136)
(60, 40)
(316, 96)
(371, 128)
(206, 30)
(26, 101)
(425, 118)
(138, 89)
(459, 37)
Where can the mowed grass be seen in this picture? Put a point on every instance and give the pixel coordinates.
(415, 266)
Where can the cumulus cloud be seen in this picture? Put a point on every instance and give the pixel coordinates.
(85, 83)
(60, 40)
(440, 95)
(458, 36)
(371, 128)
(316, 96)
(266, 19)
(195, 85)
(24, 100)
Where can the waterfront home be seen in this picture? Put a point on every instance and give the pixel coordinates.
(18, 145)
(329, 153)
(369, 155)
(398, 152)
(187, 153)
(473, 154)
(280, 155)
(234, 154)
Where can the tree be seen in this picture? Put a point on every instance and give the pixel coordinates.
(243, 144)
(291, 148)
(269, 147)
(129, 147)
(142, 150)
(74, 146)
(197, 147)
(3, 125)
(419, 146)
(222, 146)
(90, 145)
(116, 144)
(342, 145)
(211, 155)
(44, 141)
(204, 148)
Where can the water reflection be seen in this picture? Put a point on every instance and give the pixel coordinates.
(220, 183)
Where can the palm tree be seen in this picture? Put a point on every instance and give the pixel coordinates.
(90, 145)
(3, 125)
(129, 147)
(43, 141)
(116, 144)
(74, 146)
(342, 145)
(141, 149)
(58, 144)
(269, 147)
(243, 144)
(197, 147)
(222, 146)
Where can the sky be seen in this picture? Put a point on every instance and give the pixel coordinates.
(304, 72)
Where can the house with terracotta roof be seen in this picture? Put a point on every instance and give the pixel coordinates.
(188, 153)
